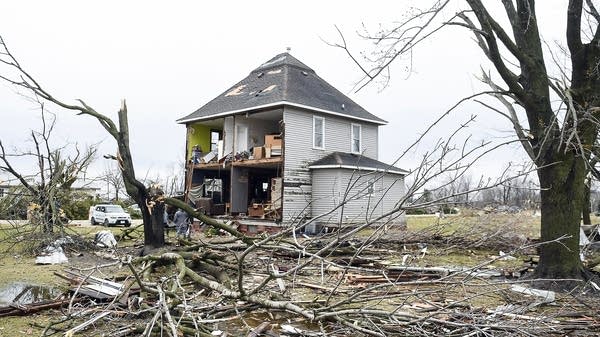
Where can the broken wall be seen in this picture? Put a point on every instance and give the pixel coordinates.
(197, 134)
(256, 130)
(239, 189)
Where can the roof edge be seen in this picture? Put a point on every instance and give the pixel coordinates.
(399, 171)
(302, 106)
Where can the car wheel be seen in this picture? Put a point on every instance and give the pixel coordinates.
(93, 221)
(128, 224)
(106, 224)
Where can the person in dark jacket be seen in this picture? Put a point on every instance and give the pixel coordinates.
(182, 224)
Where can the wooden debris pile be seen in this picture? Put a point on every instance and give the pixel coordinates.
(337, 285)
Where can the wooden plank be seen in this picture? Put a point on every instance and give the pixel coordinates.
(265, 162)
(26, 309)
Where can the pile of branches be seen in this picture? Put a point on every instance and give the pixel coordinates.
(288, 285)
(29, 238)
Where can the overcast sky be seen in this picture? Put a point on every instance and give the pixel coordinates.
(169, 58)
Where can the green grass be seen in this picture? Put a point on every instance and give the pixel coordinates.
(523, 223)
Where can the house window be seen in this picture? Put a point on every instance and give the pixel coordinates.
(318, 132)
(356, 138)
(215, 136)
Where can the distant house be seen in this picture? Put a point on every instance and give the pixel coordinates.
(8, 189)
(283, 144)
(90, 191)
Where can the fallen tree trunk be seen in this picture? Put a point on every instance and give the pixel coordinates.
(31, 308)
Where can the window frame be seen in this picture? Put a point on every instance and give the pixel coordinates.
(359, 151)
(314, 133)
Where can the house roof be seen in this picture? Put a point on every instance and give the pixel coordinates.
(354, 162)
(283, 80)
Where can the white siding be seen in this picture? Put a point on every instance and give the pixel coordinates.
(395, 191)
(370, 140)
(367, 196)
(326, 194)
(299, 154)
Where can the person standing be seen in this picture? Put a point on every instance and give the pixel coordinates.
(181, 223)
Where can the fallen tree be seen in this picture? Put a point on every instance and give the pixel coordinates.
(277, 285)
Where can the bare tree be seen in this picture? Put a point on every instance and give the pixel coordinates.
(465, 184)
(558, 138)
(114, 180)
(149, 200)
(54, 174)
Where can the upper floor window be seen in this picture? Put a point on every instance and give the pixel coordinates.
(318, 132)
(355, 138)
(215, 136)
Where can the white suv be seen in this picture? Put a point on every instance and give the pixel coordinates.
(110, 215)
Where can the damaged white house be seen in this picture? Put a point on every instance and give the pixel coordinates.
(284, 145)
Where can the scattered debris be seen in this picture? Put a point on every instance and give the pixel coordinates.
(423, 251)
(71, 332)
(31, 308)
(545, 296)
(503, 312)
(280, 282)
(405, 258)
(505, 257)
(105, 239)
(97, 288)
(52, 255)
(66, 240)
(281, 300)
(290, 329)
(258, 331)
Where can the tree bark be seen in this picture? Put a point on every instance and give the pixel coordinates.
(155, 234)
(559, 150)
(562, 186)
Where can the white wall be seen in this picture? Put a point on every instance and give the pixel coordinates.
(299, 154)
(349, 193)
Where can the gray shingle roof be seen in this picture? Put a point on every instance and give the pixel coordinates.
(282, 80)
(354, 162)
